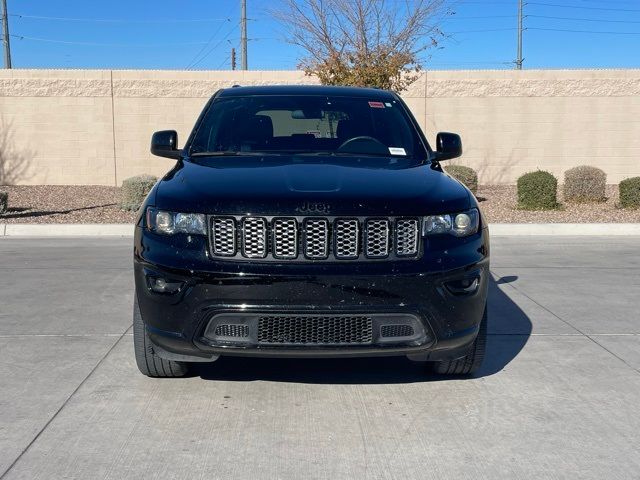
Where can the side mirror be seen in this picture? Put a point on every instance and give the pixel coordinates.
(448, 145)
(164, 144)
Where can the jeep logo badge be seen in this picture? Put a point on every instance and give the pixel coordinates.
(314, 207)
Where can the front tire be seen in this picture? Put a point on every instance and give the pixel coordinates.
(471, 362)
(149, 363)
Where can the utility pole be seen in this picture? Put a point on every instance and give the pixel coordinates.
(243, 33)
(233, 58)
(5, 35)
(519, 59)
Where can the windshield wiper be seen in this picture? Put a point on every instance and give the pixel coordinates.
(227, 153)
(235, 153)
(342, 154)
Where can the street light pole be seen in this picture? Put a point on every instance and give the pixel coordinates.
(519, 59)
(5, 35)
(243, 34)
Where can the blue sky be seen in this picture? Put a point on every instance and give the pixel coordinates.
(175, 34)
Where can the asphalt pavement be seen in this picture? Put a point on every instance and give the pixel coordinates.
(558, 396)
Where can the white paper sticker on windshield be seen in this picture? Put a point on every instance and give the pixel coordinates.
(397, 151)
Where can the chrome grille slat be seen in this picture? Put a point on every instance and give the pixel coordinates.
(347, 239)
(314, 238)
(254, 237)
(285, 238)
(377, 239)
(407, 230)
(223, 236)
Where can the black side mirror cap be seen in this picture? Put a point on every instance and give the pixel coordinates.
(448, 146)
(165, 144)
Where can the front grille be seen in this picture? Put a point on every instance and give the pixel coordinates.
(254, 237)
(377, 243)
(224, 236)
(314, 238)
(315, 330)
(285, 238)
(407, 236)
(347, 233)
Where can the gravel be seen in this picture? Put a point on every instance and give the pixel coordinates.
(498, 202)
(64, 204)
(98, 204)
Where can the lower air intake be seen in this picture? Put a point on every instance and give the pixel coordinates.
(389, 331)
(315, 330)
(226, 330)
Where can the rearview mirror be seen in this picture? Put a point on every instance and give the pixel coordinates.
(164, 144)
(448, 145)
(307, 114)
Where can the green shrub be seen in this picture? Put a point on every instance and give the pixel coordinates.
(537, 191)
(630, 193)
(466, 175)
(135, 190)
(4, 202)
(585, 184)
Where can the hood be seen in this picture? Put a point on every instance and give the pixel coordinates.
(264, 186)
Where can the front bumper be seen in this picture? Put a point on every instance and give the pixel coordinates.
(182, 325)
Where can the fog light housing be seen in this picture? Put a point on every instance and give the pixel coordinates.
(463, 286)
(164, 285)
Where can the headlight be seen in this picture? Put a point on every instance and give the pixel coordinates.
(459, 224)
(169, 223)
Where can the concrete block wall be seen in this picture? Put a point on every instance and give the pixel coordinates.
(513, 122)
(94, 126)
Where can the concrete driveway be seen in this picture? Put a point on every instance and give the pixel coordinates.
(558, 397)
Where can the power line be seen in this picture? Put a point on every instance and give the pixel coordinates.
(456, 17)
(465, 63)
(204, 47)
(488, 30)
(584, 8)
(117, 20)
(583, 31)
(214, 46)
(598, 20)
(613, 2)
(610, 1)
(92, 44)
(222, 63)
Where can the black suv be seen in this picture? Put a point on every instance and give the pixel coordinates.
(309, 221)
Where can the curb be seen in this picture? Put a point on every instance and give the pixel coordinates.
(66, 230)
(563, 229)
(496, 229)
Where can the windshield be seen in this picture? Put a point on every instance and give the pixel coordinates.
(307, 125)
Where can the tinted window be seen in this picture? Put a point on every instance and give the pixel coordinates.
(308, 124)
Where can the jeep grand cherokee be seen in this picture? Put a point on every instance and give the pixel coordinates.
(309, 221)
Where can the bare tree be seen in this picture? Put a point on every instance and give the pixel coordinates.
(14, 164)
(374, 43)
